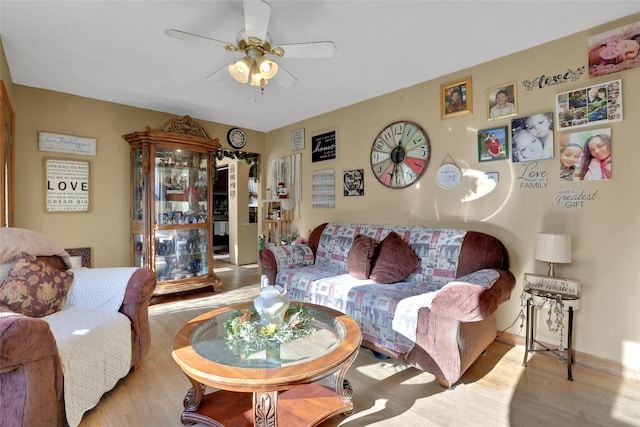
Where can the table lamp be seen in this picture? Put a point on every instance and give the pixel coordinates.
(553, 248)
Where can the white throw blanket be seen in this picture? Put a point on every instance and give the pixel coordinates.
(93, 338)
(98, 288)
(405, 320)
(95, 350)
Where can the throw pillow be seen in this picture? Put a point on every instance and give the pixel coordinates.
(360, 256)
(33, 288)
(394, 261)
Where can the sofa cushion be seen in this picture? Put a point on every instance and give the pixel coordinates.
(33, 288)
(394, 260)
(360, 256)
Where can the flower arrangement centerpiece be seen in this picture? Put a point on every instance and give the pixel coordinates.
(289, 238)
(246, 335)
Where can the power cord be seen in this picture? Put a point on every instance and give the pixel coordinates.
(519, 316)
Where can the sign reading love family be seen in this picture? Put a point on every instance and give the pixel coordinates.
(532, 177)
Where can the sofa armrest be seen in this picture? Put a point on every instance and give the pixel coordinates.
(469, 301)
(23, 340)
(136, 307)
(283, 257)
(31, 382)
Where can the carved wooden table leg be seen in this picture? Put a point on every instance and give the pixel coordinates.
(343, 386)
(265, 408)
(191, 404)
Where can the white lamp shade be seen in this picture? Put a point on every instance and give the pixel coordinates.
(552, 247)
(240, 69)
(267, 67)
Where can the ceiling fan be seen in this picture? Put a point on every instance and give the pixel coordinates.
(255, 42)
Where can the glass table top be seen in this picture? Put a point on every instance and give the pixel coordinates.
(209, 340)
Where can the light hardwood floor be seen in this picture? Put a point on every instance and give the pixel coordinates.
(495, 391)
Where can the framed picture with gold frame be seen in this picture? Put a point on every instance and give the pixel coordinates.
(456, 98)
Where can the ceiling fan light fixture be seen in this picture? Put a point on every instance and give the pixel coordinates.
(240, 70)
(257, 79)
(268, 68)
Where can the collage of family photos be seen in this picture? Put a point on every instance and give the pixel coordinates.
(601, 103)
(583, 155)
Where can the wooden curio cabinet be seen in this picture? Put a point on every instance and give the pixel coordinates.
(172, 170)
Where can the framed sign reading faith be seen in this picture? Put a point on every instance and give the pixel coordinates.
(67, 185)
(551, 285)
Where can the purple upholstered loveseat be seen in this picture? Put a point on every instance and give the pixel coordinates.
(439, 318)
(33, 384)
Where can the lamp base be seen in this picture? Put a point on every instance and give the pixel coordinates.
(551, 269)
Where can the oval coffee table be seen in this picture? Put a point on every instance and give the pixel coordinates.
(303, 387)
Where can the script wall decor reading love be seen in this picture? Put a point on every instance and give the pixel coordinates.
(555, 79)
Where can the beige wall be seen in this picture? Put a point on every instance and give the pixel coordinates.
(605, 231)
(105, 228)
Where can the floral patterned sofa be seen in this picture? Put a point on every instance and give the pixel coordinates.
(425, 296)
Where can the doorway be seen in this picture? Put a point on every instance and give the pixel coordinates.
(221, 214)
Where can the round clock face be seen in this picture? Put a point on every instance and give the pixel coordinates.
(236, 138)
(400, 154)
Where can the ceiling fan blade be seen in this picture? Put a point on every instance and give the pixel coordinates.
(324, 49)
(182, 35)
(221, 73)
(256, 18)
(284, 78)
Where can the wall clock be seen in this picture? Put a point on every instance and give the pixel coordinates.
(400, 154)
(236, 138)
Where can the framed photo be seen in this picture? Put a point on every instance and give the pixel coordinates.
(493, 176)
(597, 104)
(614, 50)
(456, 98)
(586, 155)
(532, 137)
(493, 144)
(502, 101)
(353, 182)
(545, 285)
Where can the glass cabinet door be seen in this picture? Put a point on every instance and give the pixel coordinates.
(181, 254)
(181, 190)
(138, 185)
(138, 251)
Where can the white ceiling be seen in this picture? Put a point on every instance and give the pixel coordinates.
(117, 50)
